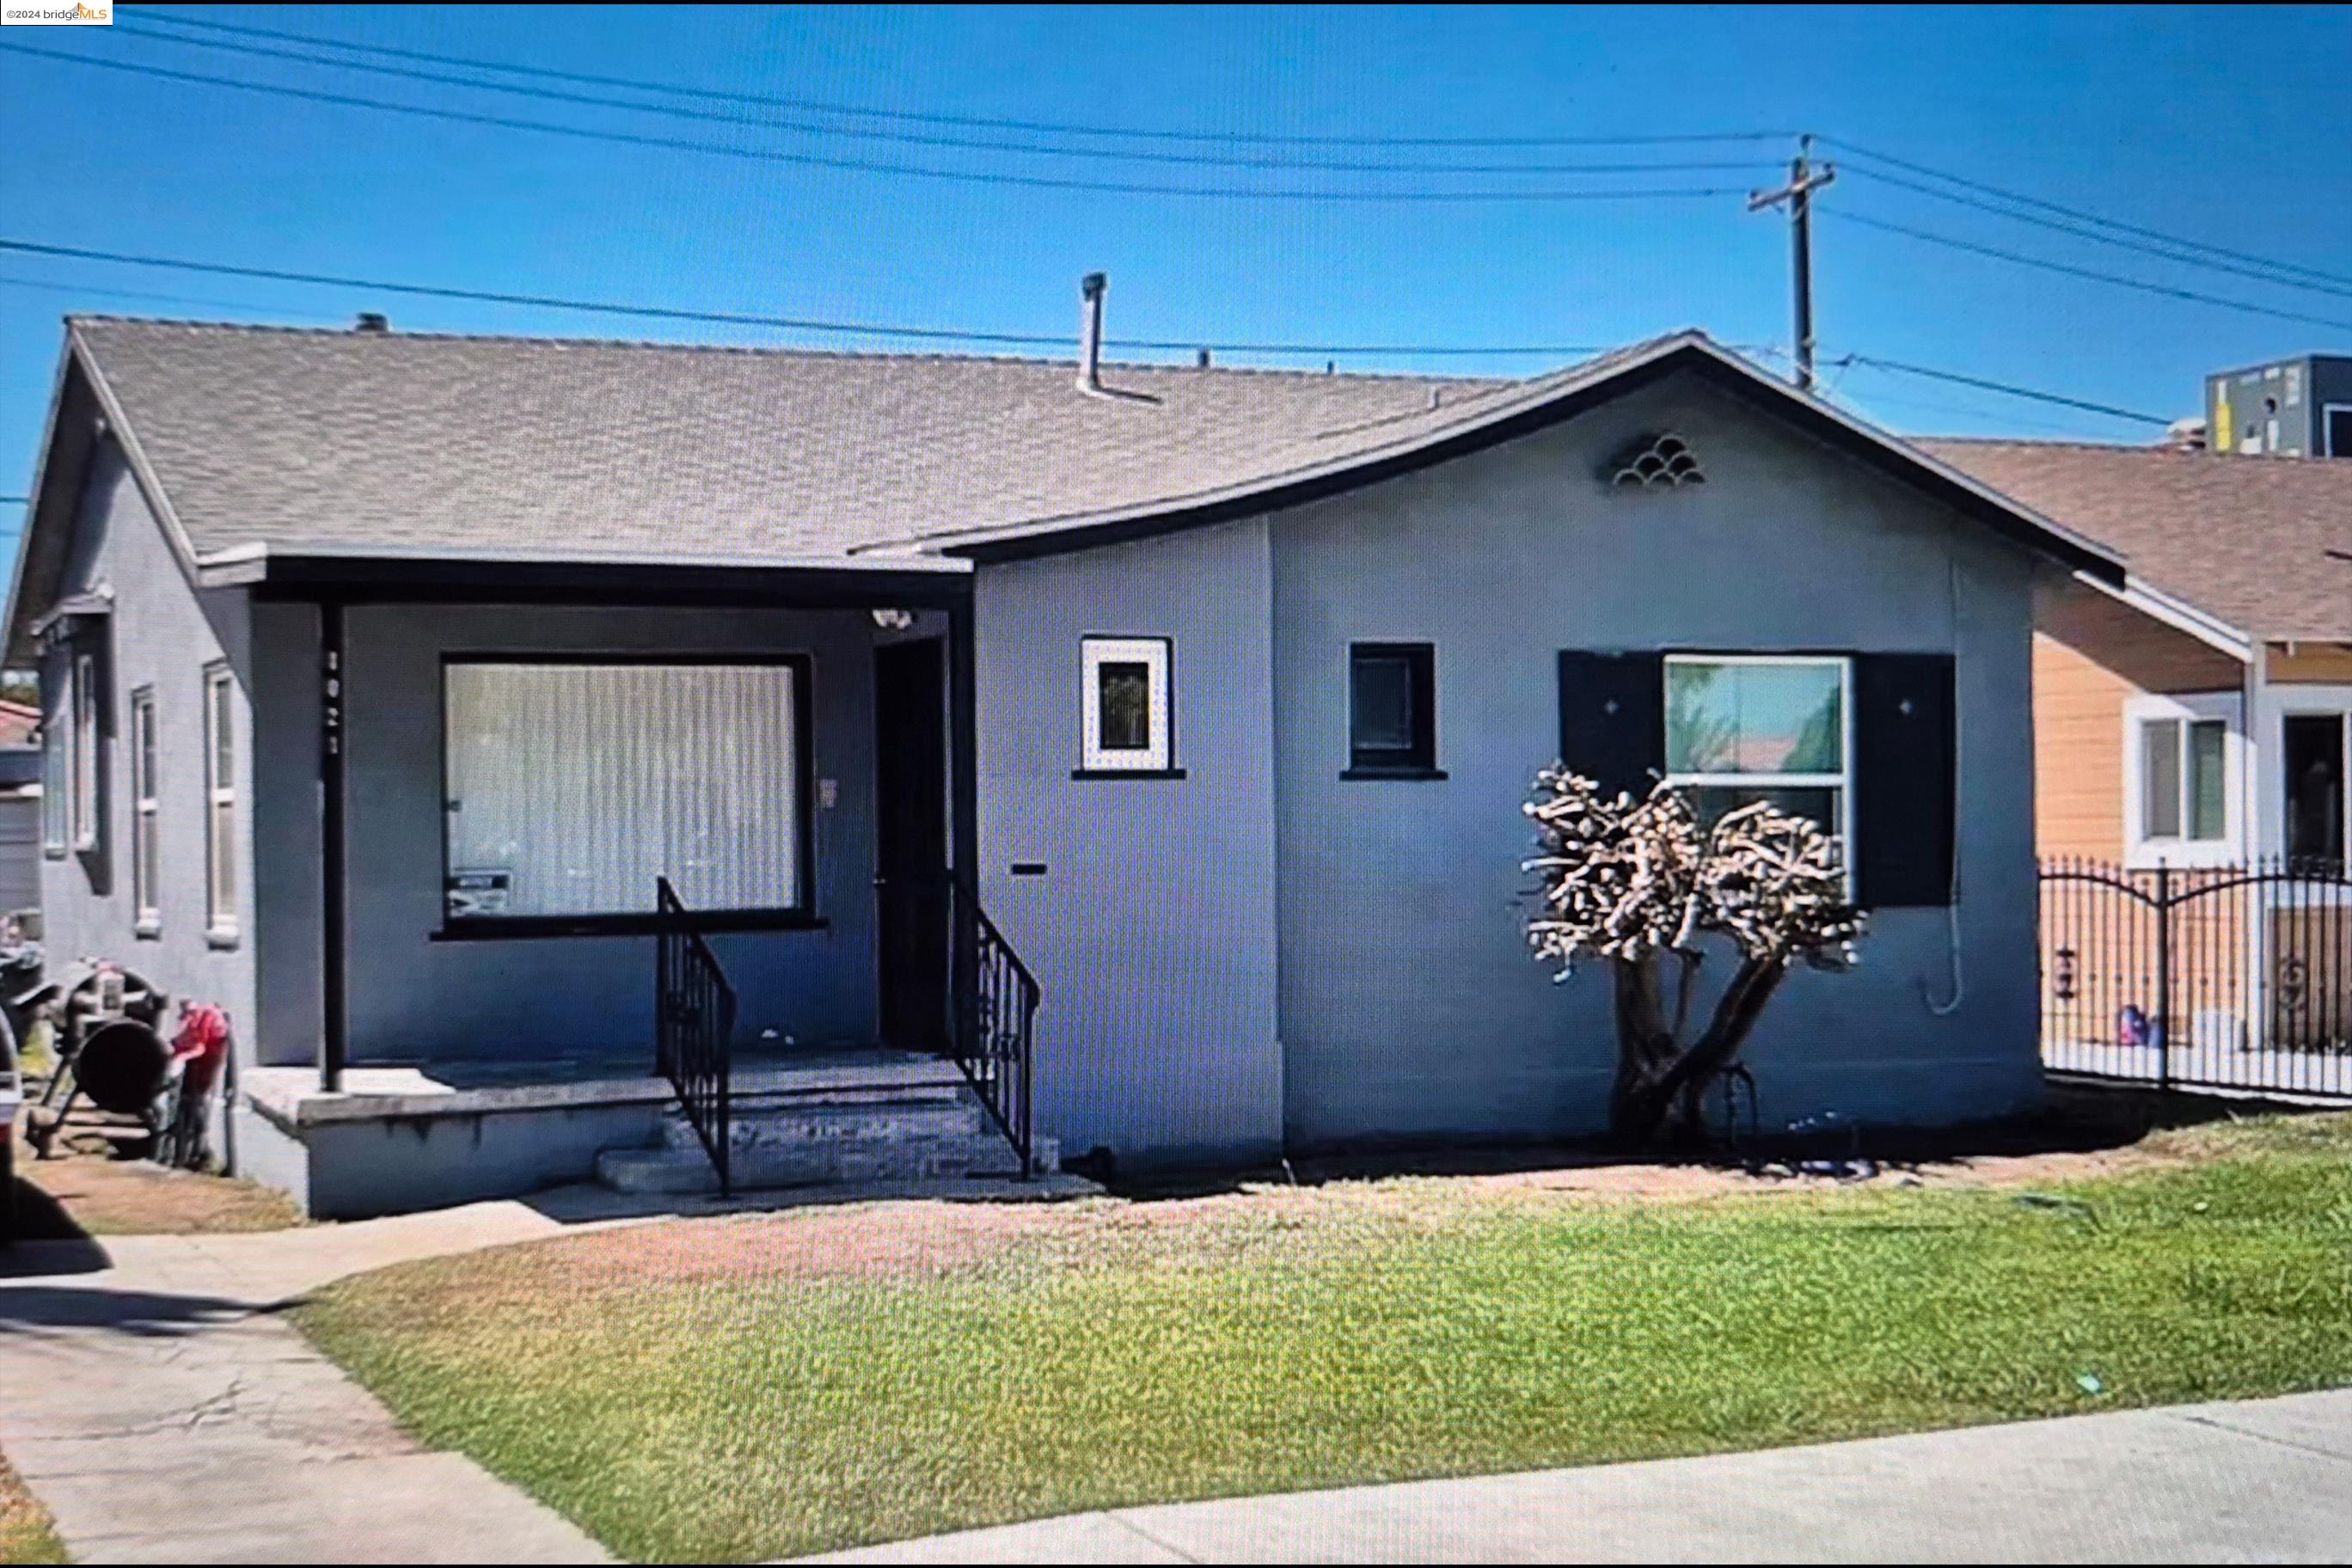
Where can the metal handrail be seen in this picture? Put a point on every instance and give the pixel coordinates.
(694, 1029)
(994, 1038)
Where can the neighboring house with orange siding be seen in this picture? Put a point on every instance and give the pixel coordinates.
(2201, 713)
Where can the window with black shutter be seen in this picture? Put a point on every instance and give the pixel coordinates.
(1905, 795)
(1893, 783)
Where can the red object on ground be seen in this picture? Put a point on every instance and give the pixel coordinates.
(201, 1045)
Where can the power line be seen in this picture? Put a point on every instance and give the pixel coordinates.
(978, 121)
(2080, 232)
(2001, 386)
(2120, 280)
(930, 138)
(865, 165)
(151, 297)
(2091, 217)
(745, 318)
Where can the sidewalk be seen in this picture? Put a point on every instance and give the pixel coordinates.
(166, 1413)
(2267, 1480)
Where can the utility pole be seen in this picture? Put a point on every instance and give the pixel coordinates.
(1805, 177)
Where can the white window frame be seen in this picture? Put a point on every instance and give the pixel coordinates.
(88, 800)
(2140, 850)
(1156, 655)
(56, 769)
(2327, 412)
(1841, 781)
(147, 914)
(221, 883)
(2322, 701)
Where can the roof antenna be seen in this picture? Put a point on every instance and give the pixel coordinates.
(1091, 288)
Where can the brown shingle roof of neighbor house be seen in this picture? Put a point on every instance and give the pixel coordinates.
(2245, 540)
(275, 441)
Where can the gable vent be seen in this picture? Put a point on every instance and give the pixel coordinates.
(1654, 462)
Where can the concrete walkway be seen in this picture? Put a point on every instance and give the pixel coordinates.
(2266, 1480)
(167, 1412)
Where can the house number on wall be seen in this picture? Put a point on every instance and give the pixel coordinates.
(331, 708)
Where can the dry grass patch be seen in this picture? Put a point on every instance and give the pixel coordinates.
(27, 1535)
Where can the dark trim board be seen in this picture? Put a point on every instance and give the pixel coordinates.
(528, 927)
(1127, 772)
(618, 584)
(1789, 407)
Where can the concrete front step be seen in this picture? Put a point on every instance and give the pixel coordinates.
(782, 1122)
(820, 1161)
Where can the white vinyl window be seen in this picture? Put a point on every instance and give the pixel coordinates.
(56, 769)
(573, 786)
(85, 752)
(1751, 727)
(2180, 766)
(1124, 700)
(145, 870)
(220, 803)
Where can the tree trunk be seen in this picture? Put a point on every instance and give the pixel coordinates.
(1646, 1046)
(1647, 1091)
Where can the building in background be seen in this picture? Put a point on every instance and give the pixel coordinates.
(2299, 407)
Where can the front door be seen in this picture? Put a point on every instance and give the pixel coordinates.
(910, 775)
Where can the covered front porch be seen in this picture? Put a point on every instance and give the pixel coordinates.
(467, 783)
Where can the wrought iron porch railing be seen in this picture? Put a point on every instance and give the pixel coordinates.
(694, 1029)
(994, 1037)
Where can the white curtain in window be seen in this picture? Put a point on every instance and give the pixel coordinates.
(573, 786)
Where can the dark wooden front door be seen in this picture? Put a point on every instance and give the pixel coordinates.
(910, 775)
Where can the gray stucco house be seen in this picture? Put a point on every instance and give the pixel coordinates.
(386, 672)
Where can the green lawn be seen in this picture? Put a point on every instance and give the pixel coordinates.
(747, 1389)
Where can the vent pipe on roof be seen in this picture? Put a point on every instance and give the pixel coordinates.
(371, 322)
(1091, 288)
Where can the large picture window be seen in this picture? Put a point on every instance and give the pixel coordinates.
(1741, 729)
(571, 786)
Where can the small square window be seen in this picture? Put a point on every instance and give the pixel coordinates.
(1392, 709)
(1126, 714)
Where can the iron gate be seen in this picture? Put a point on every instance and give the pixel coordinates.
(2214, 977)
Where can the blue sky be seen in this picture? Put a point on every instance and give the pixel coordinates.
(2228, 130)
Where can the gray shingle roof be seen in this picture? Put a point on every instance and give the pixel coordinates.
(304, 443)
(340, 440)
(2242, 538)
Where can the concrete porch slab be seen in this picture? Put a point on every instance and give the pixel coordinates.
(291, 1096)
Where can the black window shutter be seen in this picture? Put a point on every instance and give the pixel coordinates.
(1905, 756)
(1613, 717)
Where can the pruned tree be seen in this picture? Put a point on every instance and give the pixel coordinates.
(1643, 884)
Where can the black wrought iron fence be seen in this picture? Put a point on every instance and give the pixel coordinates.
(2234, 977)
(694, 1027)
